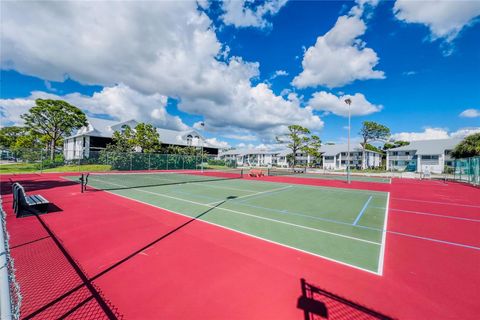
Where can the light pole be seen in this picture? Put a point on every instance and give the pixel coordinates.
(202, 124)
(349, 102)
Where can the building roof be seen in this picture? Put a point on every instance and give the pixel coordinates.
(425, 147)
(334, 149)
(242, 152)
(180, 138)
(99, 128)
(105, 128)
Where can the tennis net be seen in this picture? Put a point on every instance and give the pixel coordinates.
(285, 172)
(129, 180)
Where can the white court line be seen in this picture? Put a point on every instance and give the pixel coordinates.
(314, 187)
(439, 202)
(436, 215)
(245, 234)
(223, 187)
(381, 257)
(247, 214)
(254, 194)
(264, 192)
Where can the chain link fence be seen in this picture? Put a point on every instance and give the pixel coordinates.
(10, 296)
(33, 160)
(467, 170)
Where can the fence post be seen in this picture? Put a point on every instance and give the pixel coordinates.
(167, 161)
(131, 160)
(41, 161)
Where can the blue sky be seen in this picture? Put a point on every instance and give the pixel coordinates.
(248, 69)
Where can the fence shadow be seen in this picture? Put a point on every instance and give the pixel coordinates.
(35, 185)
(317, 303)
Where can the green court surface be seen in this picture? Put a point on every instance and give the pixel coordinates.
(343, 225)
(343, 177)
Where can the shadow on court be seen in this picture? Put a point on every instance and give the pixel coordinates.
(83, 296)
(31, 185)
(317, 303)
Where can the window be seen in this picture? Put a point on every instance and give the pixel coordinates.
(189, 140)
(430, 157)
(394, 153)
(407, 153)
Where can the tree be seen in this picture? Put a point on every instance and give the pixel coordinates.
(372, 131)
(147, 138)
(10, 135)
(123, 140)
(395, 144)
(370, 147)
(469, 147)
(144, 137)
(296, 140)
(313, 148)
(53, 119)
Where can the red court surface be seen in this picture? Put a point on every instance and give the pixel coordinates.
(103, 256)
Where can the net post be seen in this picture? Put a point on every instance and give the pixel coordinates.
(81, 182)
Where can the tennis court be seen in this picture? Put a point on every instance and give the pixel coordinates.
(343, 225)
(224, 245)
(327, 176)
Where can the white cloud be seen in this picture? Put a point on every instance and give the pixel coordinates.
(241, 137)
(434, 134)
(279, 73)
(154, 50)
(164, 46)
(360, 106)
(409, 73)
(253, 109)
(461, 133)
(445, 19)
(470, 113)
(245, 13)
(339, 57)
(12, 109)
(261, 146)
(217, 143)
(119, 101)
(427, 134)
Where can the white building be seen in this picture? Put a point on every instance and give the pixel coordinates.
(335, 157)
(98, 134)
(422, 156)
(250, 157)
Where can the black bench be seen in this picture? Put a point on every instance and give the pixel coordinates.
(25, 205)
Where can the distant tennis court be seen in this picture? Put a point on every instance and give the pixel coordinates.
(343, 225)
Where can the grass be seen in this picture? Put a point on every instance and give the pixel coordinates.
(33, 167)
